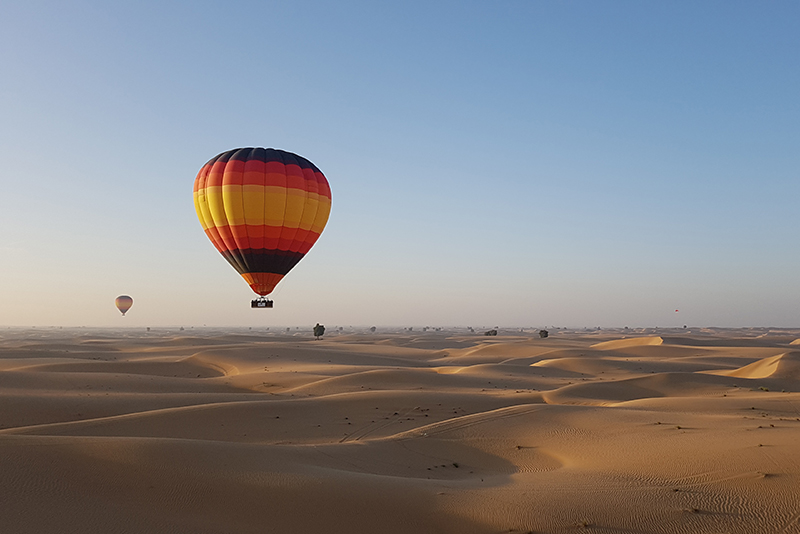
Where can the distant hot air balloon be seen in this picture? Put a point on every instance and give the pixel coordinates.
(263, 209)
(124, 303)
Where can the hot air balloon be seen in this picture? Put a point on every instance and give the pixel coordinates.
(123, 303)
(263, 209)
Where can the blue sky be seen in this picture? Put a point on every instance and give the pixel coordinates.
(497, 163)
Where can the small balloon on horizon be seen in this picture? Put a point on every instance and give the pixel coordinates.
(123, 303)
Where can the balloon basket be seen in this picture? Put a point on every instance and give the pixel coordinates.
(261, 303)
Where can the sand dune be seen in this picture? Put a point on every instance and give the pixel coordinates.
(628, 342)
(785, 365)
(214, 431)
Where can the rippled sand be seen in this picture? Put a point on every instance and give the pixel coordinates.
(211, 431)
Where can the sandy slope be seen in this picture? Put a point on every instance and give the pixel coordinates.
(212, 432)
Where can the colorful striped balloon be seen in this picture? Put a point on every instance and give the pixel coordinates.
(123, 303)
(263, 209)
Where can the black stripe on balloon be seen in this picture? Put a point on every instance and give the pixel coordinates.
(263, 261)
(223, 157)
(266, 155)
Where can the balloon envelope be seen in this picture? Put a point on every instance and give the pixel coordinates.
(263, 209)
(124, 303)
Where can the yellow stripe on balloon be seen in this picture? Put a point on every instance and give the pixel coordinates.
(295, 204)
(204, 213)
(274, 205)
(310, 212)
(236, 204)
(200, 207)
(323, 212)
(216, 205)
(253, 200)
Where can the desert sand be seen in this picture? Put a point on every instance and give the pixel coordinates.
(239, 431)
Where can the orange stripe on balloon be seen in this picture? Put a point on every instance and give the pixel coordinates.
(213, 235)
(270, 236)
(241, 236)
(262, 283)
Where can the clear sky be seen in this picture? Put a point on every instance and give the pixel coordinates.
(512, 163)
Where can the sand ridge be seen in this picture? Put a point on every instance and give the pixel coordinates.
(786, 365)
(218, 431)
